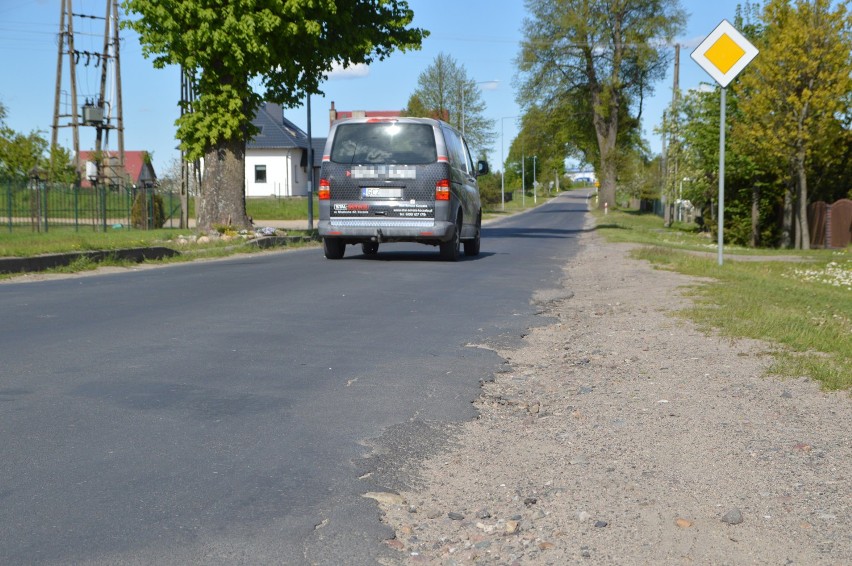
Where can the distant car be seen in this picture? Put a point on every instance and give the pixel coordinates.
(399, 180)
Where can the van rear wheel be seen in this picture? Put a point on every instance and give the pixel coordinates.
(450, 249)
(370, 248)
(333, 248)
(471, 247)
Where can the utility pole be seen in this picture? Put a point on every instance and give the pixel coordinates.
(310, 169)
(675, 121)
(103, 125)
(66, 38)
(94, 113)
(188, 171)
(676, 131)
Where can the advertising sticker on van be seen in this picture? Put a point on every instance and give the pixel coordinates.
(344, 209)
(401, 210)
(414, 211)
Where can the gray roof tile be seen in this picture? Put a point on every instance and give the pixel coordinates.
(276, 131)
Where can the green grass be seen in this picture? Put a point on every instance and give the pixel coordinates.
(25, 243)
(799, 300)
(517, 204)
(59, 240)
(285, 208)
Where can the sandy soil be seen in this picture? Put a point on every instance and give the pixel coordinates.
(621, 434)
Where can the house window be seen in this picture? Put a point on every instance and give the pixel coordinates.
(260, 173)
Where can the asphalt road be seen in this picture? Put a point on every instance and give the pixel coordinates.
(236, 411)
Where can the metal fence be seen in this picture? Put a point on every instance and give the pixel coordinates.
(40, 207)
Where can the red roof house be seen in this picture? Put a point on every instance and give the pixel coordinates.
(138, 169)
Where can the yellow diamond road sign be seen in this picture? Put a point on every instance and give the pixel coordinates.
(724, 53)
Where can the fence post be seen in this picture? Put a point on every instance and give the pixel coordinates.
(103, 204)
(75, 191)
(9, 204)
(44, 200)
(149, 195)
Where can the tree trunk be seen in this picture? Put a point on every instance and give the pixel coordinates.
(223, 194)
(605, 121)
(787, 220)
(607, 180)
(802, 212)
(606, 129)
(755, 216)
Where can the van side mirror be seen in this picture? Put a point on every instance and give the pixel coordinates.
(481, 168)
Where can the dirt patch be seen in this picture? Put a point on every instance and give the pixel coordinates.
(623, 435)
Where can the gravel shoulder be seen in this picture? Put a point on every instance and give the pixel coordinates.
(621, 434)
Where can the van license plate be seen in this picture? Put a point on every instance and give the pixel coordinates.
(381, 192)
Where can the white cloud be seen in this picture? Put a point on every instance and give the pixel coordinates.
(351, 72)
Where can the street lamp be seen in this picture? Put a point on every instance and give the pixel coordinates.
(492, 84)
(503, 163)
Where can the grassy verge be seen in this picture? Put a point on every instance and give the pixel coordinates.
(59, 240)
(28, 244)
(517, 204)
(800, 300)
(284, 208)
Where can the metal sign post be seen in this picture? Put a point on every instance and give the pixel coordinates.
(723, 54)
(721, 214)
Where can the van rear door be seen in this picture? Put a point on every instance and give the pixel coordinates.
(383, 170)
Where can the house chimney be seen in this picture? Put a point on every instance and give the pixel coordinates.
(332, 114)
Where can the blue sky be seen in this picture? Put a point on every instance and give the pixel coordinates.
(482, 35)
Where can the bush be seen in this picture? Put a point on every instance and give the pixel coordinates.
(148, 211)
(489, 189)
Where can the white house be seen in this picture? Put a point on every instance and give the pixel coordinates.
(277, 157)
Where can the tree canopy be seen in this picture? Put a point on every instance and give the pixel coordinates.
(796, 91)
(445, 91)
(591, 63)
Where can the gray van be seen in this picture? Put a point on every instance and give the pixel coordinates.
(399, 180)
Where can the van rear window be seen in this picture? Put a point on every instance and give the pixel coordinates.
(384, 142)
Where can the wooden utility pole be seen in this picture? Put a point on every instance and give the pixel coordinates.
(669, 191)
(676, 130)
(66, 46)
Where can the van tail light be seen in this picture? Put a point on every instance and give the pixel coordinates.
(442, 190)
(324, 190)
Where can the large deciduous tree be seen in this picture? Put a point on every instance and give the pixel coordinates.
(242, 52)
(607, 53)
(445, 91)
(798, 89)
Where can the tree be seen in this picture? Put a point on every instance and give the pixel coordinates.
(605, 53)
(543, 135)
(798, 90)
(20, 154)
(284, 48)
(444, 91)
